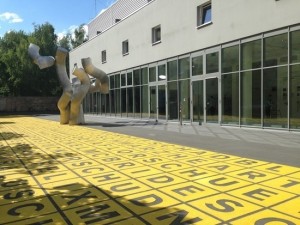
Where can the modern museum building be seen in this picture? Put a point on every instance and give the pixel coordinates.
(228, 62)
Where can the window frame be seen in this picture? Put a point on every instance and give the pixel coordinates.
(201, 11)
(103, 56)
(125, 47)
(154, 33)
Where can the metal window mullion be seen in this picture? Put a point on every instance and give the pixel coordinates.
(288, 82)
(262, 84)
(240, 66)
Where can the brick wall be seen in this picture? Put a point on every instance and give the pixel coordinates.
(29, 104)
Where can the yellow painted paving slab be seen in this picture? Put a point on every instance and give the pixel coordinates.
(60, 174)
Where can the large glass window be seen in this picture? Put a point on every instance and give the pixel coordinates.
(152, 74)
(144, 75)
(172, 70)
(197, 65)
(295, 97)
(251, 98)
(212, 62)
(117, 81)
(276, 50)
(112, 81)
(103, 104)
(275, 97)
(295, 47)
(251, 55)
(123, 80)
(144, 99)
(230, 59)
(230, 98)
(112, 102)
(161, 72)
(172, 100)
(107, 103)
(123, 102)
(98, 103)
(137, 101)
(184, 68)
(129, 78)
(137, 77)
(129, 102)
(118, 102)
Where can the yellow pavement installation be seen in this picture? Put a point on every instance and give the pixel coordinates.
(60, 174)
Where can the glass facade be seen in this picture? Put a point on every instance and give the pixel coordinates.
(251, 82)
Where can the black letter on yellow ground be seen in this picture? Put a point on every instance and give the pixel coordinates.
(292, 183)
(193, 173)
(190, 189)
(14, 212)
(161, 179)
(180, 215)
(261, 192)
(252, 174)
(77, 198)
(265, 221)
(106, 177)
(124, 187)
(217, 183)
(226, 207)
(18, 194)
(140, 200)
(93, 212)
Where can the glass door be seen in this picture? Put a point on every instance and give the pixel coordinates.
(153, 101)
(161, 101)
(197, 103)
(158, 102)
(211, 92)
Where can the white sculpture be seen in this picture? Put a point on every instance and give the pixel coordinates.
(70, 102)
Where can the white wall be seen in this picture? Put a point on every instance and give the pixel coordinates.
(232, 20)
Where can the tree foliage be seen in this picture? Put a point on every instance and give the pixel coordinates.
(19, 76)
(79, 36)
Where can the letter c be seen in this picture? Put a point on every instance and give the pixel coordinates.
(14, 212)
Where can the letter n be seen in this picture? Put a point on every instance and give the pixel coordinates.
(180, 215)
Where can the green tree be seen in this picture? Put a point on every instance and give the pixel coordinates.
(65, 42)
(19, 76)
(79, 36)
(13, 49)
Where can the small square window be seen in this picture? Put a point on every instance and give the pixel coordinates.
(125, 47)
(204, 15)
(103, 56)
(156, 34)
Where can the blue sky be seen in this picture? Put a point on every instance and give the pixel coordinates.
(64, 15)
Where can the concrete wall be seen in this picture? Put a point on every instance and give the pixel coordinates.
(231, 20)
(28, 104)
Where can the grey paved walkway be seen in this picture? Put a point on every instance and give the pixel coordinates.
(276, 146)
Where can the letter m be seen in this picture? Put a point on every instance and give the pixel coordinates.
(95, 214)
(179, 217)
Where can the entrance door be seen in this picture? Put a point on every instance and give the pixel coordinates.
(157, 102)
(153, 101)
(197, 104)
(211, 93)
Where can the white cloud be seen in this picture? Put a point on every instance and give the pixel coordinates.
(11, 17)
